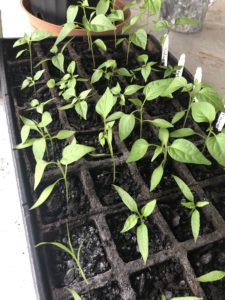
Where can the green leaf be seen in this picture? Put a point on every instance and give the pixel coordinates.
(163, 135)
(39, 170)
(74, 152)
(81, 108)
(83, 95)
(138, 150)
(117, 15)
(71, 67)
(154, 88)
(25, 131)
(131, 89)
(114, 116)
(153, 6)
(74, 294)
(64, 134)
(101, 23)
(142, 240)
(38, 148)
(177, 117)
(28, 143)
(203, 112)
(102, 7)
(44, 195)
(123, 72)
(176, 84)
(96, 75)
(211, 276)
(130, 222)
(161, 123)
(184, 188)
(208, 94)
(139, 38)
(105, 104)
(20, 53)
(39, 35)
(145, 72)
(38, 75)
(58, 61)
(202, 203)
(186, 21)
(148, 209)
(135, 101)
(183, 132)
(25, 83)
(126, 198)
(19, 42)
(195, 224)
(184, 151)
(156, 177)
(51, 83)
(157, 152)
(71, 13)
(100, 43)
(46, 119)
(126, 126)
(58, 245)
(216, 147)
(189, 205)
(160, 25)
(69, 93)
(186, 298)
(67, 28)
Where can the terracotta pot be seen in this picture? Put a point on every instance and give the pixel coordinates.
(55, 29)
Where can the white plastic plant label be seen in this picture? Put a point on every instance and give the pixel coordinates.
(198, 77)
(220, 122)
(165, 50)
(181, 64)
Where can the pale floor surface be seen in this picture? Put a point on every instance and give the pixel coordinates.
(205, 49)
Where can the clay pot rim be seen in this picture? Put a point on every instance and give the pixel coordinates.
(54, 29)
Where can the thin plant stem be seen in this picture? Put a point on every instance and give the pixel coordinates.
(188, 110)
(128, 51)
(31, 61)
(91, 47)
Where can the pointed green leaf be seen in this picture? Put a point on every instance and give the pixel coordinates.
(25, 131)
(39, 147)
(100, 43)
(58, 61)
(102, 7)
(74, 152)
(44, 195)
(38, 75)
(210, 95)
(202, 203)
(131, 89)
(184, 151)
(56, 244)
(126, 198)
(148, 209)
(183, 132)
(156, 177)
(96, 75)
(39, 170)
(138, 150)
(39, 35)
(216, 147)
(74, 294)
(105, 104)
(71, 67)
(67, 28)
(81, 108)
(101, 23)
(161, 123)
(184, 188)
(211, 276)
(139, 38)
(203, 112)
(157, 152)
(64, 134)
(130, 222)
(126, 126)
(195, 224)
(46, 119)
(142, 240)
(178, 116)
(71, 13)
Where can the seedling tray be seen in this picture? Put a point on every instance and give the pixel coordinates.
(95, 213)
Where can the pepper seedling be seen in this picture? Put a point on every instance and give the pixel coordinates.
(31, 81)
(137, 216)
(74, 294)
(146, 66)
(191, 204)
(69, 250)
(35, 104)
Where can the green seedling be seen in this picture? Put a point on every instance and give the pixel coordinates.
(69, 250)
(137, 216)
(70, 154)
(31, 81)
(191, 204)
(211, 276)
(38, 106)
(146, 66)
(68, 82)
(103, 108)
(79, 103)
(26, 41)
(74, 294)
(170, 70)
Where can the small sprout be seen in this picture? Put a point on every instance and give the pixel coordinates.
(192, 205)
(211, 276)
(137, 215)
(31, 81)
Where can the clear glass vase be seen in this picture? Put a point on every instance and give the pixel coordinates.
(173, 9)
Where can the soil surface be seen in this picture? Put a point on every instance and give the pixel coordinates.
(111, 291)
(166, 278)
(207, 259)
(126, 243)
(217, 196)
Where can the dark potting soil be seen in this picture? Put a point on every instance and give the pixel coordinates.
(92, 256)
(159, 107)
(207, 259)
(146, 167)
(179, 219)
(126, 243)
(111, 291)
(91, 139)
(56, 207)
(217, 196)
(103, 180)
(166, 278)
(78, 123)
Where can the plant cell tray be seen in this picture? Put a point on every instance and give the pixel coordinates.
(95, 214)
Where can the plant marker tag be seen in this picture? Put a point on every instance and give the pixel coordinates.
(198, 77)
(221, 121)
(165, 50)
(181, 63)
